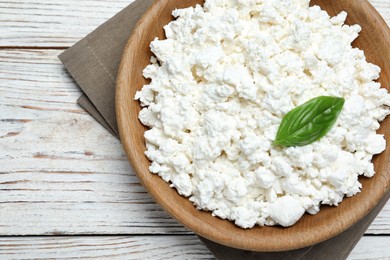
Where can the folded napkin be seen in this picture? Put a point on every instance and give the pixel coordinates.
(94, 61)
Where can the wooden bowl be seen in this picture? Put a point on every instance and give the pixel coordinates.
(330, 221)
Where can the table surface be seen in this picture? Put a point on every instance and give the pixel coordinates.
(66, 187)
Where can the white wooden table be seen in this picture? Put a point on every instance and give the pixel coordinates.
(66, 188)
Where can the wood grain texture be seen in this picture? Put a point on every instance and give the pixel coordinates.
(44, 173)
(109, 247)
(50, 184)
(60, 171)
(47, 23)
(372, 247)
(309, 230)
(142, 247)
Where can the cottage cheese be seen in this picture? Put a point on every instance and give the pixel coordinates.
(221, 83)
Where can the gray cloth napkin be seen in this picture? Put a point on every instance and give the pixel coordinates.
(93, 62)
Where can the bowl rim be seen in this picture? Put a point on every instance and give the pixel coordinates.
(198, 227)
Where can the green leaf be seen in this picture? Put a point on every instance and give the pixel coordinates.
(309, 122)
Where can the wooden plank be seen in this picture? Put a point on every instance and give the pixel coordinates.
(42, 23)
(60, 171)
(372, 247)
(143, 247)
(129, 247)
(50, 23)
(51, 185)
(383, 7)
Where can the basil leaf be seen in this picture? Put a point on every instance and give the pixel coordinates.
(309, 122)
